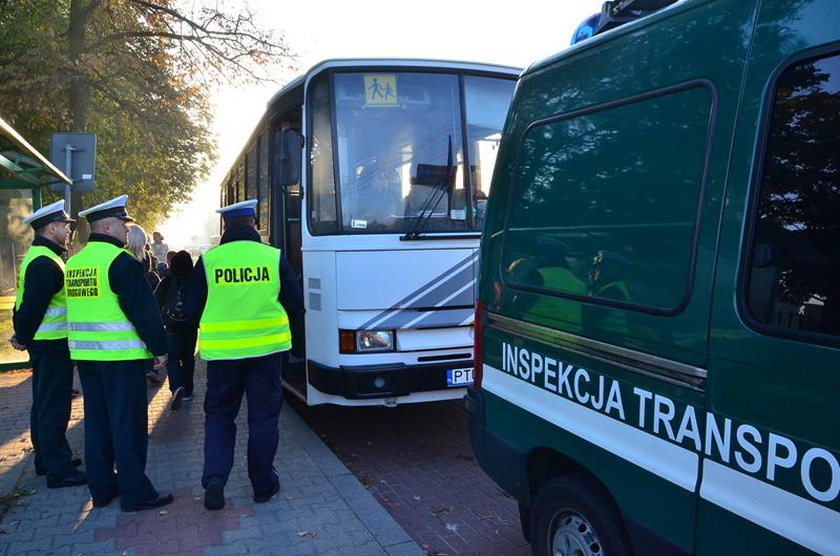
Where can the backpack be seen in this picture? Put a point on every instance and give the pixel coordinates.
(172, 310)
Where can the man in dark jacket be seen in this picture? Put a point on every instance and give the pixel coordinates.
(242, 293)
(40, 322)
(114, 326)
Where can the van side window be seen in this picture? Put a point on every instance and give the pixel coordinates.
(794, 274)
(605, 201)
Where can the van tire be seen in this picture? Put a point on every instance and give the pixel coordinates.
(573, 511)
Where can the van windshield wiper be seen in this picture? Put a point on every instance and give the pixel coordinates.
(440, 187)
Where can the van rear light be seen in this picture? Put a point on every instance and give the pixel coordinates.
(478, 342)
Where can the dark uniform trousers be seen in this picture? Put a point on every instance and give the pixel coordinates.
(227, 380)
(52, 386)
(116, 422)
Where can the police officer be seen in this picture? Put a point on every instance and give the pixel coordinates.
(240, 293)
(114, 326)
(40, 323)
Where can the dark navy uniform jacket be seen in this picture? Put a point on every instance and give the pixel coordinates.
(43, 280)
(290, 296)
(135, 297)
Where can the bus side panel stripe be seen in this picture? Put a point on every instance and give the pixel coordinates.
(804, 522)
(441, 286)
(445, 318)
(669, 461)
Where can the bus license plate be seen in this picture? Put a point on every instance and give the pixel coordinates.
(459, 377)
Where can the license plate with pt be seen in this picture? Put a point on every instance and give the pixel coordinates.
(459, 377)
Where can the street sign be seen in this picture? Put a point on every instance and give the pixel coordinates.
(75, 154)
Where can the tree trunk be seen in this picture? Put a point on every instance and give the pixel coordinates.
(79, 84)
(79, 91)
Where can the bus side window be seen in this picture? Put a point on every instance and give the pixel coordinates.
(794, 274)
(323, 217)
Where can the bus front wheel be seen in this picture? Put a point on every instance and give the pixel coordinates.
(572, 516)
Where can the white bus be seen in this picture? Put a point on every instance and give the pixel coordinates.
(372, 177)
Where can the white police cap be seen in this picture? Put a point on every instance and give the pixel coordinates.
(115, 208)
(47, 215)
(242, 208)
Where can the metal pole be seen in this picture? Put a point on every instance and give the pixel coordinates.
(68, 171)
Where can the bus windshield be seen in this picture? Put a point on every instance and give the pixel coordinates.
(398, 147)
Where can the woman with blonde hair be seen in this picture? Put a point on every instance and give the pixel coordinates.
(136, 241)
(136, 245)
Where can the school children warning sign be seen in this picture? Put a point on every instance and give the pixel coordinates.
(381, 89)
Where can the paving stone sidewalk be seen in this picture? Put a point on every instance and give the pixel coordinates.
(322, 509)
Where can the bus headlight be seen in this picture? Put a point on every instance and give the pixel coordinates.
(365, 341)
(374, 340)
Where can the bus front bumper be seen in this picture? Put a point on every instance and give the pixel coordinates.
(385, 381)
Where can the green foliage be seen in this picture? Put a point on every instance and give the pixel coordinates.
(136, 73)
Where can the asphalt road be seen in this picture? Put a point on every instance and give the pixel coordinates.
(417, 461)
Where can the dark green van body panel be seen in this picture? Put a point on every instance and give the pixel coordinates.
(786, 386)
(659, 55)
(698, 67)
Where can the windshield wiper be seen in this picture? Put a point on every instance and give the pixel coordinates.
(440, 187)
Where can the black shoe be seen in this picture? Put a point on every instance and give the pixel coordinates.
(177, 398)
(160, 501)
(214, 496)
(260, 498)
(40, 471)
(76, 478)
(103, 501)
(152, 377)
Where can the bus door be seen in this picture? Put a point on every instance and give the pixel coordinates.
(771, 477)
(288, 206)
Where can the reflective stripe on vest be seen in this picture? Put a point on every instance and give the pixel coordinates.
(242, 317)
(54, 324)
(97, 326)
(56, 312)
(106, 344)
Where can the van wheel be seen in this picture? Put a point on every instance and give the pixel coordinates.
(571, 516)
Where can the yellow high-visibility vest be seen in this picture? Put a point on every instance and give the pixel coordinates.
(242, 317)
(54, 324)
(98, 328)
(561, 279)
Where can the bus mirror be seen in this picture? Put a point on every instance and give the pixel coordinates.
(288, 144)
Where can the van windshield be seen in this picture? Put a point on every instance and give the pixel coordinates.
(399, 149)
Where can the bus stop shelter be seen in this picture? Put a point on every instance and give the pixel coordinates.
(23, 173)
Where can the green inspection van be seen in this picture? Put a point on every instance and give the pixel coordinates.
(658, 317)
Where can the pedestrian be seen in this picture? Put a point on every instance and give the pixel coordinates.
(241, 292)
(159, 248)
(181, 333)
(136, 244)
(114, 327)
(40, 324)
(139, 249)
